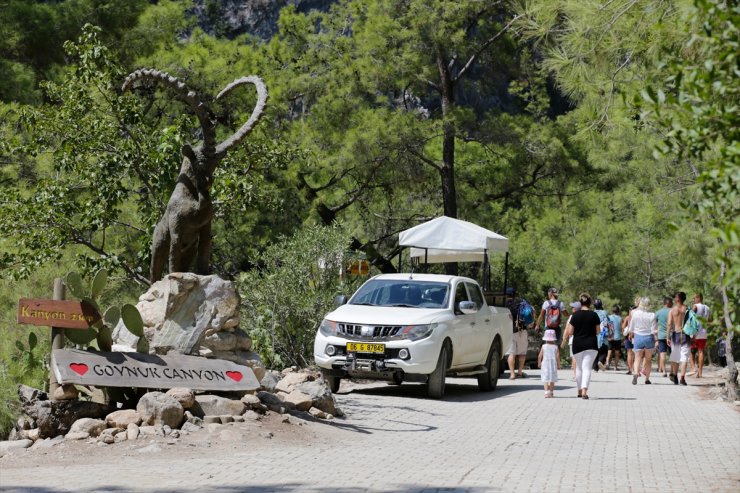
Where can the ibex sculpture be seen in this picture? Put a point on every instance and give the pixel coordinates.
(183, 234)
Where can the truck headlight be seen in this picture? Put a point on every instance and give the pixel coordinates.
(416, 332)
(328, 327)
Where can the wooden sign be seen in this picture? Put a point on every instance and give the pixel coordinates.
(150, 371)
(57, 313)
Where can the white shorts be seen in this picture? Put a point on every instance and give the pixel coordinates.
(680, 355)
(519, 344)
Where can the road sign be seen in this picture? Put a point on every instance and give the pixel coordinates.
(57, 313)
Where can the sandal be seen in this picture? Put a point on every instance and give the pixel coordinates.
(580, 393)
(584, 396)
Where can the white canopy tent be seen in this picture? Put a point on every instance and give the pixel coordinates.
(445, 239)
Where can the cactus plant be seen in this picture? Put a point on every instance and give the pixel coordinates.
(132, 320)
(74, 284)
(102, 330)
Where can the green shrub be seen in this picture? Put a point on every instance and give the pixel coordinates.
(24, 364)
(286, 297)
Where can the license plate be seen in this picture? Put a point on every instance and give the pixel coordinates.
(365, 347)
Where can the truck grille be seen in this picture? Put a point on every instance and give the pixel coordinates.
(356, 331)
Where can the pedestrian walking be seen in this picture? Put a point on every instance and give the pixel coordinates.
(679, 342)
(575, 306)
(702, 311)
(549, 362)
(552, 312)
(662, 317)
(644, 328)
(615, 343)
(517, 351)
(628, 340)
(584, 325)
(602, 340)
(722, 349)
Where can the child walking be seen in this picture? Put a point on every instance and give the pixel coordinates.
(549, 361)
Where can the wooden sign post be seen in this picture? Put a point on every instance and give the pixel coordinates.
(59, 315)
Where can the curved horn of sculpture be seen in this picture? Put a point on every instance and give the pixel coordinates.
(183, 92)
(256, 113)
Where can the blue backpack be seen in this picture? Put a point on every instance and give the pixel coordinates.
(691, 323)
(525, 313)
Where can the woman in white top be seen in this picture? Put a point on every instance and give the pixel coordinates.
(644, 325)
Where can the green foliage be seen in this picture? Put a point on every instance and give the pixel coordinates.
(286, 298)
(697, 104)
(32, 35)
(22, 364)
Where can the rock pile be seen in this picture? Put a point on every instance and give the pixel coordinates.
(166, 414)
(191, 314)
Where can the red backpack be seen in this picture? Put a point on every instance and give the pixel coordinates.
(552, 315)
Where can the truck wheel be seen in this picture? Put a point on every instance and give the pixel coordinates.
(397, 379)
(332, 381)
(488, 381)
(436, 381)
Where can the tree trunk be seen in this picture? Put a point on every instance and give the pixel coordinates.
(447, 91)
(447, 172)
(731, 384)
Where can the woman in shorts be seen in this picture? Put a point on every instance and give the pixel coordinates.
(628, 340)
(643, 327)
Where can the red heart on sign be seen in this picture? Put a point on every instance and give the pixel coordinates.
(79, 368)
(234, 375)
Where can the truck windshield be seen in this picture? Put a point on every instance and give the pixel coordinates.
(408, 293)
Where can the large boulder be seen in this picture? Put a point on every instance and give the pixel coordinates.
(187, 313)
(321, 396)
(54, 418)
(213, 405)
(123, 418)
(185, 397)
(157, 408)
(92, 427)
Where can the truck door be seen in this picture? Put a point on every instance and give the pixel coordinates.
(482, 333)
(462, 329)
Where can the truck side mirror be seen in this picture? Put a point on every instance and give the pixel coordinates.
(340, 300)
(467, 307)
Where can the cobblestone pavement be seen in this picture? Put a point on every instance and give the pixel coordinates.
(656, 437)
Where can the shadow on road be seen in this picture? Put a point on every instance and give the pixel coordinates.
(454, 391)
(255, 488)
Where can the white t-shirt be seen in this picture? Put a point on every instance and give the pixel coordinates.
(702, 311)
(643, 323)
(547, 304)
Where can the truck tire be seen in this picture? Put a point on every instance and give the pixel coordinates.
(488, 381)
(332, 381)
(436, 381)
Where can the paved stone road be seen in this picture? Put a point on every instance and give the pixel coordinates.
(625, 438)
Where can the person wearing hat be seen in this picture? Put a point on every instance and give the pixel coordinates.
(552, 312)
(549, 361)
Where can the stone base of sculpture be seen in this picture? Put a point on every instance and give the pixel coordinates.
(187, 313)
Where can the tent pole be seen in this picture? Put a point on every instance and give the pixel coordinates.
(506, 272)
(400, 254)
(426, 259)
(486, 271)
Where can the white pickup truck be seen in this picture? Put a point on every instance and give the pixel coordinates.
(414, 327)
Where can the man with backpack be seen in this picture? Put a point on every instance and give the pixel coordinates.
(522, 317)
(552, 311)
(602, 340)
(678, 341)
(615, 338)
